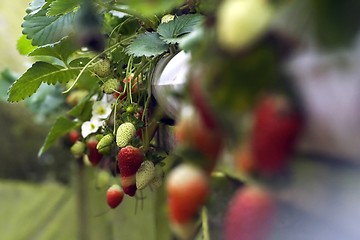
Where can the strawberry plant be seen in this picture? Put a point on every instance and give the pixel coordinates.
(106, 58)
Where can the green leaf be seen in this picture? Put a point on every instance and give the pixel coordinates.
(46, 30)
(60, 50)
(153, 7)
(24, 45)
(40, 72)
(61, 126)
(147, 44)
(35, 6)
(83, 110)
(6, 79)
(59, 7)
(172, 31)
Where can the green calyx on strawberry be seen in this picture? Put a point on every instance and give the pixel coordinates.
(93, 154)
(188, 189)
(191, 133)
(124, 134)
(114, 196)
(110, 86)
(145, 174)
(103, 68)
(249, 215)
(275, 131)
(129, 161)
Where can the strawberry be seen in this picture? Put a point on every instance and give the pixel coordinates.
(201, 104)
(192, 133)
(110, 85)
(129, 161)
(157, 181)
(275, 130)
(145, 174)
(188, 189)
(78, 149)
(93, 154)
(125, 133)
(114, 196)
(73, 136)
(103, 68)
(105, 142)
(249, 215)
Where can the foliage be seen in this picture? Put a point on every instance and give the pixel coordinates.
(102, 56)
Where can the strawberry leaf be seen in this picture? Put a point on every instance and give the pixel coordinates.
(24, 45)
(60, 50)
(46, 30)
(147, 44)
(40, 72)
(61, 126)
(172, 31)
(153, 7)
(35, 6)
(59, 7)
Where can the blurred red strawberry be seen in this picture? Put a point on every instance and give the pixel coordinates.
(249, 215)
(92, 153)
(188, 189)
(114, 196)
(275, 131)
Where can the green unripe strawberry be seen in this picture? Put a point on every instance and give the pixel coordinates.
(78, 149)
(241, 22)
(103, 68)
(110, 86)
(124, 134)
(105, 142)
(167, 18)
(145, 174)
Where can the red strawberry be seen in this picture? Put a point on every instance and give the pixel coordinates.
(276, 128)
(249, 215)
(191, 132)
(201, 104)
(93, 154)
(73, 136)
(129, 161)
(188, 189)
(114, 196)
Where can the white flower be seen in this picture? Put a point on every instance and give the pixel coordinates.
(101, 109)
(91, 126)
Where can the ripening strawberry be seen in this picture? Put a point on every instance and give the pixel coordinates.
(114, 196)
(275, 131)
(249, 215)
(191, 132)
(129, 161)
(188, 189)
(73, 136)
(92, 153)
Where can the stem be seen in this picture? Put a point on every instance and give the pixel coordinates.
(92, 60)
(129, 12)
(205, 224)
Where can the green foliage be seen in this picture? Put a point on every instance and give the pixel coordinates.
(61, 126)
(59, 7)
(24, 45)
(149, 8)
(40, 72)
(147, 44)
(171, 32)
(42, 29)
(61, 50)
